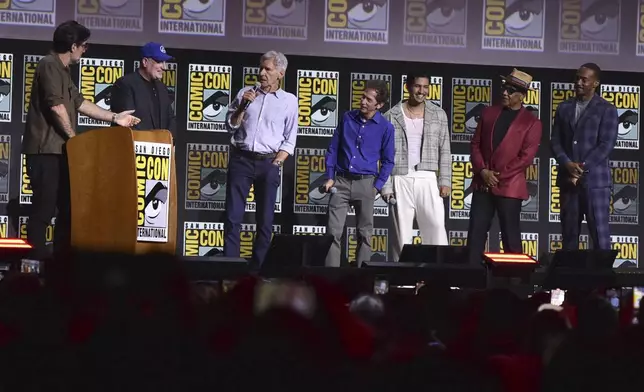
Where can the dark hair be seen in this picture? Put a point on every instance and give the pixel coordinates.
(412, 76)
(382, 93)
(595, 68)
(68, 34)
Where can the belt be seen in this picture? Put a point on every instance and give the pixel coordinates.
(256, 156)
(351, 176)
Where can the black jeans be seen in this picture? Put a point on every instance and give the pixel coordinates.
(49, 175)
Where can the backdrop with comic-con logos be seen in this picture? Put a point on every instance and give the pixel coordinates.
(546, 33)
(203, 83)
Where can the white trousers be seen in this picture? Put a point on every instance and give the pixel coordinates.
(417, 196)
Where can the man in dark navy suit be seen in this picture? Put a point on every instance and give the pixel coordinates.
(583, 135)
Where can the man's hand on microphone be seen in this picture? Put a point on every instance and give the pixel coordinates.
(328, 185)
(249, 96)
(387, 196)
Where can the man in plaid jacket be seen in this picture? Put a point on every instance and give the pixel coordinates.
(584, 134)
(422, 172)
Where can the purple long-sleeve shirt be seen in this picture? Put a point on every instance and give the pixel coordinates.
(269, 124)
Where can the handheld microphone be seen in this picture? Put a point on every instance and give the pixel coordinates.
(332, 190)
(247, 103)
(392, 201)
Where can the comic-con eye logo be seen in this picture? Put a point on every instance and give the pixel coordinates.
(6, 86)
(640, 29)
(532, 100)
(169, 78)
(5, 167)
(434, 93)
(358, 84)
(251, 77)
(627, 101)
(469, 98)
(624, 201)
(627, 247)
(209, 97)
(589, 26)
(460, 199)
(309, 230)
(203, 238)
(276, 19)
(310, 175)
(530, 207)
(124, 15)
(317, 96)
(206, 176)
(25, 182)
(29, 70)
(514, 25)
(559, 92)
(436, 23)
(358, 21)
(49, 231)
(529, 244)
(152, 161)
(555, 242)
(28, 12)
(379, 245)
(96, 78)
(194, 17)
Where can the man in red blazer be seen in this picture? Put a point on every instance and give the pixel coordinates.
(504, 145)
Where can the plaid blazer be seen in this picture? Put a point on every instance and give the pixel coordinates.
(435, 152)
(589, 141)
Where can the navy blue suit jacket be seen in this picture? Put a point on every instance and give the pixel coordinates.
(589, 141)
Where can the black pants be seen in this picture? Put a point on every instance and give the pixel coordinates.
(484, 205)
(49, 175)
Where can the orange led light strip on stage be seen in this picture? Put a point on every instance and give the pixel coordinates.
(509, 258)
(15, 243)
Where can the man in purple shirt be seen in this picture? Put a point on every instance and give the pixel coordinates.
(263, 123)
(362, 138)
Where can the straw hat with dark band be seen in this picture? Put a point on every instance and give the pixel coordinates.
(518, 79)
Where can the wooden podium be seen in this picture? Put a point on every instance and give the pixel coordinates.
(107, 190)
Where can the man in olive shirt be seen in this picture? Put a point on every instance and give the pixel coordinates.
(51, 120)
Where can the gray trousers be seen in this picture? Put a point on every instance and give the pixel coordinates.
(361, 194)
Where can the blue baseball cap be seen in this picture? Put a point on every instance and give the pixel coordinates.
(155, 51)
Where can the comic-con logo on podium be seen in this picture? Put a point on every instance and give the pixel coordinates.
(152, 164)
(193, 17)
(469, 98)
(434, 93)
(29, 65)
(206, 176)
(6, 85)
(317, 96)
(49, 231)
(359, 83)
(5, 167)
(437, 23)
(627, 101)
(559, 92)
(628, 249)
(460, 200)
(515, 25)
(203, 238)
(363, 22)
(28, 12)
(96, 78)
(625, 200)
(555, 242)
(459, 238)
(529, 244)
(589, 26)
(121, 15)
(310, 175)
(25, 182)
(275, 19)
(209, 97)
(169, 79)
(309, 230)
(251, 77)
(379, 245)
(530, 207)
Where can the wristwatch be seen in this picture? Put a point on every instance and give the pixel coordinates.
(113, 118)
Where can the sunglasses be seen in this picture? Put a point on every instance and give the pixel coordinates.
(511, 89)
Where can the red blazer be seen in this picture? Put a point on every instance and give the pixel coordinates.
(511, 158)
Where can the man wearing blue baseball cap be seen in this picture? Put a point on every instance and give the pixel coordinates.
(144, 92)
